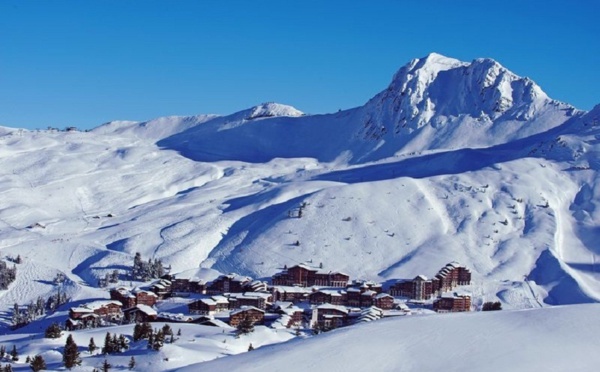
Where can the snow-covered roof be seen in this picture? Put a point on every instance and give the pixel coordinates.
(245, 308)
(149, 293)
(146, 309)
(369, 293)
(208, 301)
(291, 289)
(333, 307)
(420, 277)
(383, 295)
(220, 299)
(95, 305)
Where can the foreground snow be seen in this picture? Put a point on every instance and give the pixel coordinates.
(552, 339)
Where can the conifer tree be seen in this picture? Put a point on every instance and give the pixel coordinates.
(14, 355)
(92, 346)
(37, 363)
(71, 354)
(53, 331)
(131, 364)
(106, 366)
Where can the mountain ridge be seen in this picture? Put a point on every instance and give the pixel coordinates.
(511, 193)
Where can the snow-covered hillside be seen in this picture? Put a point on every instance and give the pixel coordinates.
(453, 161)
(557, 339)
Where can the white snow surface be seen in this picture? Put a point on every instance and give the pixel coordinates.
(454, 161)
(554, 339)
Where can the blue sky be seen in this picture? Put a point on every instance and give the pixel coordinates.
(83, 63)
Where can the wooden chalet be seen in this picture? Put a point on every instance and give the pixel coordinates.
(140, 313)
(383, 301)
(452, 275)
(228, 283)
(107, 309)
(328, 296)
(162, 288)
(143, 297)
(185, 285)
(420, 288)
(306, 276)
(452, 303)
(124, 296)
(203, 306)
(290, 293)
(257, 299)
(329, 316)
(257, 316)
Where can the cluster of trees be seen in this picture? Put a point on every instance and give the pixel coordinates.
(13, 355)
(7, 274)
(23, 315)
(112, 277)
(156, 337)
(492, 306)
(146, 270)
(53, 331)
(112, 344)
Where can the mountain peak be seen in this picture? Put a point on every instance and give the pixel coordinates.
(272, 109)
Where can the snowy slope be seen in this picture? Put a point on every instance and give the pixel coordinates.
(556, 339)
(474, 164)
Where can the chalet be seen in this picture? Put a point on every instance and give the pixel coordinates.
(162, 288)
(306, 276)
(452, 303)
(204, 306)
(257, 316)
(364, 285)
(291, 315)
(328, 296)
(257, 299)
(185, 285)
(228, 283)
(103, 308)
(140, 313)
(257, 286)
(288, 293)
(124, 296)
(328, 316)
(452, 275)
(383, 301)
(84, 321)
(367, 297)
(420, 288)
(143, 297)
(222, 303)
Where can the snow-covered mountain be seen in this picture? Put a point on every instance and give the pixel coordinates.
(453, 161)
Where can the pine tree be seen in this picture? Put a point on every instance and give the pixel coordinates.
(167, 331)
(53, 331)
(114, 343)
(8, 368)
(2, 352)
(106, 366)
(37, 363)
(245, 326)
(14, 355)
(107, 348)
(250, 347)
(92, 346)
(131, 364)
(123, 344)
(28, 359)
(159, 340)
(71, 354)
